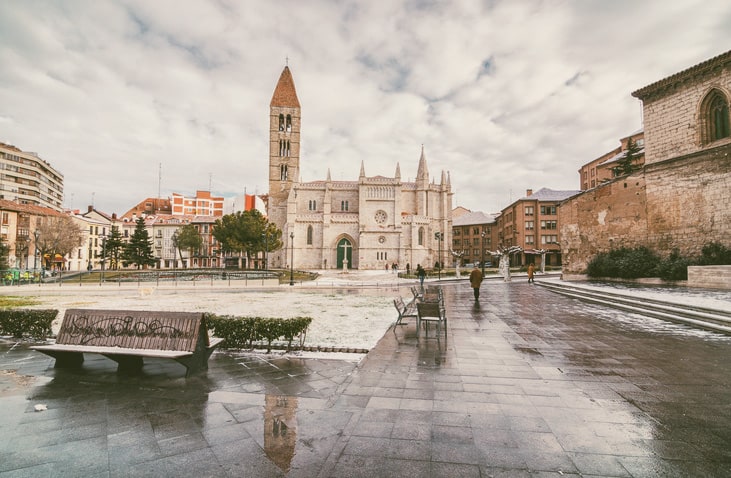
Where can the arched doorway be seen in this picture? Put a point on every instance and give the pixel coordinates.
(345, 251)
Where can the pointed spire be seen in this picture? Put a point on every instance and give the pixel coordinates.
(449, 179)
(422, 173)
(398, 172)
(329, 179)
(362, 169)
(285, 93)
(444, 178)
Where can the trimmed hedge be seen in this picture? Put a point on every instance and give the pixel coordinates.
(243, 332)
(35, 323)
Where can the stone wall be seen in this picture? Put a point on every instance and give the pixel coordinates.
(610, 216)
(714, 277)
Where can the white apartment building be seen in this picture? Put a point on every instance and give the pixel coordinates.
(27, 179)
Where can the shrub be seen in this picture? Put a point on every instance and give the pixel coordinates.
(715, 254)
(35, 323)
(624, 263)
(674, 267)
(242, 332)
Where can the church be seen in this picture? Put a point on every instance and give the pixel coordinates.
(373, 222)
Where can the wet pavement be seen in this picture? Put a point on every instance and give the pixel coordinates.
(526, 383)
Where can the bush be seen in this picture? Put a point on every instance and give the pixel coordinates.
(624, 263)
(715, 254)
(35, 323)
(674, 267)
(242, 332)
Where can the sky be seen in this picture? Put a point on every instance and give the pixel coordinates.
(131, 99)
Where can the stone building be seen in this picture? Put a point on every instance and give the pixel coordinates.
(368, 223)
(681, 198)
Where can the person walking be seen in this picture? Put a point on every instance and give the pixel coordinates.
(476, 281)
(531, 271)
(421, 274)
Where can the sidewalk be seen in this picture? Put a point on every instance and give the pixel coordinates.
(526, 383)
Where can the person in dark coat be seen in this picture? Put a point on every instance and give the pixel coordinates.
(421, 274)
(476, 281)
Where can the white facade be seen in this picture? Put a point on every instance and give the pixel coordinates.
(27, 179)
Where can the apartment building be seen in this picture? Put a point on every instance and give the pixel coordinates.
(202, 204)
(19, 230)
(603, 168)
(532, 223)
(27, 179)
(474, 235)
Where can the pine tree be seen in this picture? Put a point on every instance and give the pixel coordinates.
(138, 250)
(624, 166)
(113, 248)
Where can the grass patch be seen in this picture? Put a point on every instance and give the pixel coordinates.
(10, 302)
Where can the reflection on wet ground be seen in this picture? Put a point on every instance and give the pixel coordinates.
(526, 382)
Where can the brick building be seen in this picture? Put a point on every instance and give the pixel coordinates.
(603, 168)
(474, 235)
(681, 198)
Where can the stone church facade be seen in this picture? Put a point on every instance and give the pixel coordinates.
(369, 223)
(681, 198)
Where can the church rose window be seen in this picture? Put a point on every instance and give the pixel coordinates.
(381, 217)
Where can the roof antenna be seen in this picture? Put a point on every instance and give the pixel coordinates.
(286, 60)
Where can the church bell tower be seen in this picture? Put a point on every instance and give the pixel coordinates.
(284, 146)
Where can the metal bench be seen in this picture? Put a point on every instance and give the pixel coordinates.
(404, 310)
(127, 336)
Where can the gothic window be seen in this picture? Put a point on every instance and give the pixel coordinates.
(312, 205)
(343, 205)
(421, 236)
(287, 149)
(309, 235)
(289, 123)
(283, 172)
(281, 122)
(714, 117)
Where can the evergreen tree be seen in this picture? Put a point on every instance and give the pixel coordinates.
(138, 250)
(113, 248)
(625, 165)
(247, 232)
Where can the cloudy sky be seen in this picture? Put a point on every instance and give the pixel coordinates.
(132, 98)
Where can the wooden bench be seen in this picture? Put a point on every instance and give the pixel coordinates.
(404, 310)
(127, 336)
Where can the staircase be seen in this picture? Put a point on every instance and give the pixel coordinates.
(694, 316)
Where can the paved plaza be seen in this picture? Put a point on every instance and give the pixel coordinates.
(526, 383)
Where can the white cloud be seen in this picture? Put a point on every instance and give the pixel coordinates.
(505, 95)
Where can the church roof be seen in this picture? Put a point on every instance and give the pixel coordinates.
(285, 93)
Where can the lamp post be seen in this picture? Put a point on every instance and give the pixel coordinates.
(104, 254)
(291, 260)
(36, 234)
(483, 253)
(439, 237)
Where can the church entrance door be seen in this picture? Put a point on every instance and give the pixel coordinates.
(345, 251)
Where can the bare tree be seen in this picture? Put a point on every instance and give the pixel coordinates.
(57, 235)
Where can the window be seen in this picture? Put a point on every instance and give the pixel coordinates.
(476, 241)
(283, 172)
(714, 117)
(421, 236)
(548, 210)
(281, 122)
(553, 239)
(529, 240)
(548, 224)
(529, 210)
(344, 205)
(528, 225)
(312, 205)
(289, 123)
(309, 235)
(457, 232)
(475, 230)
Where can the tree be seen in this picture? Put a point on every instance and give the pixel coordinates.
(113, 247)
(138, 250)
(188, 238)
(247, 232)
(57, 237)
(4, 250)
(625, 165)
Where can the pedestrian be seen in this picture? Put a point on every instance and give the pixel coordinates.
(387, 267)
(421, 273)
(476, 281)
(408, 268)
(531, 271)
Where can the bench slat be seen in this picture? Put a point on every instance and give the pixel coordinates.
(91, 349)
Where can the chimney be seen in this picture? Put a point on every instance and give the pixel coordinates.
(528, 192)
(90, 208)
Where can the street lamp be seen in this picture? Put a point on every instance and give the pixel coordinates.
(483, 253)
(439, 237)
(36, 235)
(266, 249)
(104, 254)
(291, 261)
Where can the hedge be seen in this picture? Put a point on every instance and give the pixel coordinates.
(242, 332)
(35, 323)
